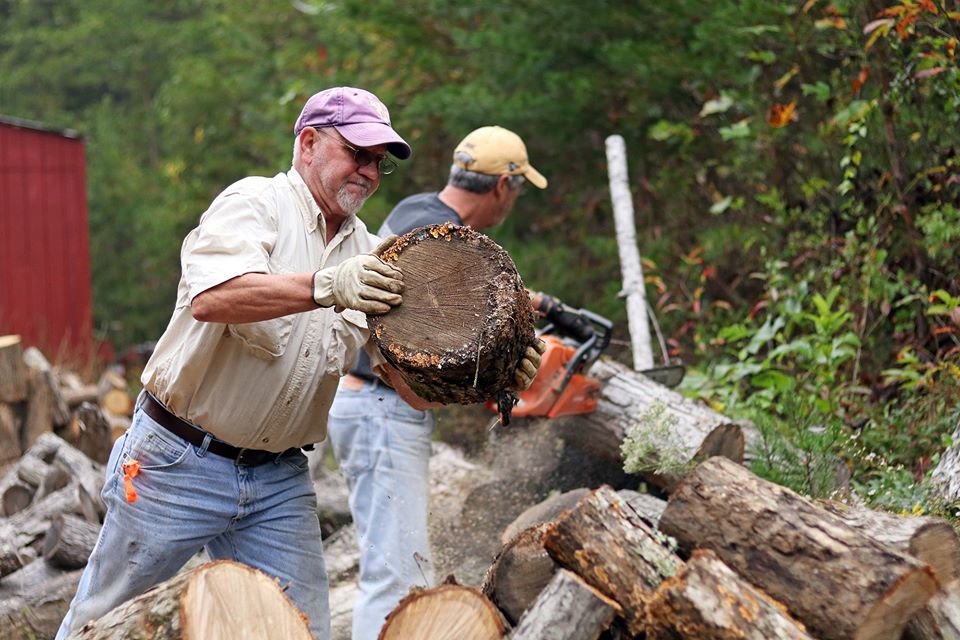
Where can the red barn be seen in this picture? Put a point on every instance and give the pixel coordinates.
(45, 292)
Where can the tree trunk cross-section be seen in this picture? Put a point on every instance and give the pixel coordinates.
(465, 320)
(445, 612)
(220, 600)
(839, 582)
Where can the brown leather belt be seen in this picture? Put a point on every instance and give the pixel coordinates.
(195, 436)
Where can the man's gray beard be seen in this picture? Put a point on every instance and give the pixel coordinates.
(350, 203)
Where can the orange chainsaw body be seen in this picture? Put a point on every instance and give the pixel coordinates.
(548, 395)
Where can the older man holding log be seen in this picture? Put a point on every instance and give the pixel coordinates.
(270, 313)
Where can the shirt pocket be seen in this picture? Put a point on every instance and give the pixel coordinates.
(266, 339)
(349, 333)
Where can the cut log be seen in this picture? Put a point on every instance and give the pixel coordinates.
(34, 600)
(60, 453)
(837, 581)
(30, 525)
(10, 422)
(567, 609)
(928, 539)
(220, 600)
(90, 432)
(17, 497)
(46, 408)
(708, 600)
(465, 321)
(444, 612)
(940, 619)
(75, 396)
(69, 541)
(946, 475)
(519, 573)
(690, 431)
(611, 547)
(647, 506)
(13, 373)
(118, 402)
(545, 511)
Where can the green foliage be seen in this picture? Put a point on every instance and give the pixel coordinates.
(794, 169)
(651, 444)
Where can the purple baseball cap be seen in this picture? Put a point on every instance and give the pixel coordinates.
(357, 115)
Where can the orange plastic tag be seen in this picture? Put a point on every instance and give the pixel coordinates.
(131, 469)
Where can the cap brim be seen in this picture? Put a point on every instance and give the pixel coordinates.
(535, 177)
(371, 134)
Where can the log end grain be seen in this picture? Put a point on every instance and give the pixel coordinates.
(465, 320)
(446, 612)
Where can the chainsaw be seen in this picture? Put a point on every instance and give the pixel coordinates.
(575, 339)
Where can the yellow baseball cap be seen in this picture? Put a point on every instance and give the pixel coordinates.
(495, 151)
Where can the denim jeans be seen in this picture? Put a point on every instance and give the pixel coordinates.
(188, 498)
(383, 448)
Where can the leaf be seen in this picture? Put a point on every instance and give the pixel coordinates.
(717, 105)
(780, 115)
(929, 73)
(738, 130)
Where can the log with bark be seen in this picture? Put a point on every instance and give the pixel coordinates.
(13, 373)
(706, 599)
(465, 320)
(928, 539)
(689, 430)
(545, 511)
(69, 541)
(10, 423)
(567, 609)
(46, 408)
(519, 572)
(940, 619)
(611, 547)
(946, 475)
(218, 600)
(90, 432)
(34, 600)
(839, 582)
(444, 612)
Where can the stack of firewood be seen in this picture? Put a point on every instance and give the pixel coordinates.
(728, 555)
(36, 398)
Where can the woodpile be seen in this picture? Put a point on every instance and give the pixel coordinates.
(36, 398)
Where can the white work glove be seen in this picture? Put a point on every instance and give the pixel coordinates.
(529, 365)
(365, 283)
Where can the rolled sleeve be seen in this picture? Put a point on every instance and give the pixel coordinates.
(235, 236)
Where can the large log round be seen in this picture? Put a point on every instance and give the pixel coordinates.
(465, 320)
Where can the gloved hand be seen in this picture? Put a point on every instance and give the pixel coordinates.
(365, 283)
(529, 365)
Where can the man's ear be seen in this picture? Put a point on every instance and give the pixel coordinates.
(307, 141)
(503, 185)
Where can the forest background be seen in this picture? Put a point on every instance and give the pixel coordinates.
(794, 167)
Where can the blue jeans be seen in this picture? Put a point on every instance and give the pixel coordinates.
(188, 499)
(383, 448)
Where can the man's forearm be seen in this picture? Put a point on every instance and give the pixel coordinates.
(253, 297)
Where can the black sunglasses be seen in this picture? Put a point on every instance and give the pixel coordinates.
(363, 157)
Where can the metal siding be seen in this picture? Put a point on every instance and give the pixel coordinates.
(44, 267)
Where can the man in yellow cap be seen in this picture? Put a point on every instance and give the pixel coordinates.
(381, 442)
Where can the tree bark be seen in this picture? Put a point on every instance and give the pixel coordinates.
(708, 600)
(445, 612)
(46, 408)
(567, 609)
(34, 600)
(13, 373)
(465, 320)
(519, 573)
(611, 547)
(688, 430)
(930, 540)
(840, 583)
(940, 619)
(69, 541)
(546, 511)
(10, 422)
(946, 475)
(219, 600)
(90, 432)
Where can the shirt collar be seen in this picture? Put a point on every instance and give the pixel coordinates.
(310, 210)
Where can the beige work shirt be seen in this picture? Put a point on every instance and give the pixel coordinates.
(260, 385)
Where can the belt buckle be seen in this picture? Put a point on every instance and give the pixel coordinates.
(240, 460)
